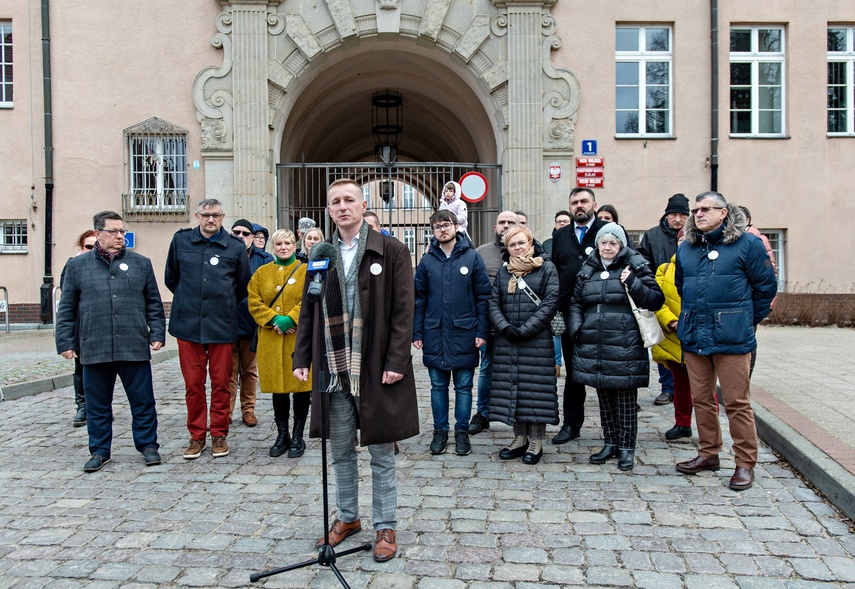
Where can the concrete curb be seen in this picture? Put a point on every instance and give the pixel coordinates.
(834, 481)
(50, 383)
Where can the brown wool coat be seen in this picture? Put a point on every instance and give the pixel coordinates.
(387, 413)
(275, 349)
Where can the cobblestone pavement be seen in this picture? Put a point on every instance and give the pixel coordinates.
(464, 522)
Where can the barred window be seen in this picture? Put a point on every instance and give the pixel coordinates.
(5, 64)
(777, 239)
(157, 168)
(841, 80)
(14, 237)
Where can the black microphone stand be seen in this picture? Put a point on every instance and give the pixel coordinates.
(326, 555)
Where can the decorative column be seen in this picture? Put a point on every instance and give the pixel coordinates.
(523, 23)
(253, 167)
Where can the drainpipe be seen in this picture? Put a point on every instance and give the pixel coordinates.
(46, 314)
(714, 95)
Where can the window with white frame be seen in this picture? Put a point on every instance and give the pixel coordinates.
(14, 237)
(643, 81)
(841, 80)
(157, 167)
(409, 195)
(777, 240)
(757, 99)
(427, 233)
(366, 194)
(410, 240)
(5, 64)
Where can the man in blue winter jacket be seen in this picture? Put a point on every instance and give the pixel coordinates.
(727, 285)
(450, 325)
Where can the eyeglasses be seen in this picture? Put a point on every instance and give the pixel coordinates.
(443, 226)
(704, 210)
(518, 245)
(114, 232)
(212, 215)
(241, 233)
(89, 246)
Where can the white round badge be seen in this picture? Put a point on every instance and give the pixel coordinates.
(604, 274)
(376, 269)
(292, 280)
(123, 266)
(712, 255)
(215, 260)
(588, 251)
(464, 270)
(521, 283)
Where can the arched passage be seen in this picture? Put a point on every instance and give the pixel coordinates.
(327, 118)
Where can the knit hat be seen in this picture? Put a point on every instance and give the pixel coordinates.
(612, 229)
(305, 224)
(243, 223)
(678, 204)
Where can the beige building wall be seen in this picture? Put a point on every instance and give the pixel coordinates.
(118, 64)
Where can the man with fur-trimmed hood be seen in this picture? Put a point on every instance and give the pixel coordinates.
(727, 284)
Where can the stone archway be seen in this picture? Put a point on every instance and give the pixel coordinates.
(272, 50)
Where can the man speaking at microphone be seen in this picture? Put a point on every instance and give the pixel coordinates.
(368, 306)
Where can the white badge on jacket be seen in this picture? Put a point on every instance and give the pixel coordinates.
(464, 270)
(123, 267)
(215, 260)
(376, 269)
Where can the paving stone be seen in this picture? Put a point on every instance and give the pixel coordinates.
(758, 583)
(651, 580)
(842, 567)
(609, 577)
(813, 569)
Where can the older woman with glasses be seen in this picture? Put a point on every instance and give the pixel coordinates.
(523, 302)
(609, 353)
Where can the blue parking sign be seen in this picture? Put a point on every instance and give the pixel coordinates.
(129, 240)
(589, 147)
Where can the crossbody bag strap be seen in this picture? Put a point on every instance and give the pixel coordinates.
(281, 290)
(530, 293)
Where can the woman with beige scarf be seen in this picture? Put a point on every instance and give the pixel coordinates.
(523, 302)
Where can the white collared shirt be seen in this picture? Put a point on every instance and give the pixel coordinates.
(348, 252)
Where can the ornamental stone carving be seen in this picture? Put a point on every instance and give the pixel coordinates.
(388, 4)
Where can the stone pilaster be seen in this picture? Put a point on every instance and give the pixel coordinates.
(253, 168)
(524, 177)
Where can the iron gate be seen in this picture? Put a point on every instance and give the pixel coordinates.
(403, 195)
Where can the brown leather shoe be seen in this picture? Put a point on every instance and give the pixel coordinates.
(249, 418)
(698, 464)
(339, 531)
(742, 478)
(385, 545)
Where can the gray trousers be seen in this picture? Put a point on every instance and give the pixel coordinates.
(346, 467)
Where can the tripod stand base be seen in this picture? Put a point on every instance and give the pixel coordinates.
(326, 557)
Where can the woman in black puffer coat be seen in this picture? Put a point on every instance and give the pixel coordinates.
(609, 354)
(524, 392)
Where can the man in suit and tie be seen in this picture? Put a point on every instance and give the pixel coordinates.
(571, 245)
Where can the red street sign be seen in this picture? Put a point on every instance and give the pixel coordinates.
(589, 172)
(589, 182)
(590, 162)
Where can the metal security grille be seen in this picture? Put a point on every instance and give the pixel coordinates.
(403, 196)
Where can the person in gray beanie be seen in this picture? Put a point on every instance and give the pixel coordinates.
(609, 353)
(657, 246)
(303, 225)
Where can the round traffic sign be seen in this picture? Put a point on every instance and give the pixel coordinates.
(473, 186)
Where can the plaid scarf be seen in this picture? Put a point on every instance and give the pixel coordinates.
(343, 333)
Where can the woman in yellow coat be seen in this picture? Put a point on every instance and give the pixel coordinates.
(669, 352)
(275, 297)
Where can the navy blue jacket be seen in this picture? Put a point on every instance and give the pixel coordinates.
(452, 294)
(207, 278)
(246, 324)
(115, 305)
(726, 296)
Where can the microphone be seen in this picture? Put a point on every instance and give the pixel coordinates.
(319, 261)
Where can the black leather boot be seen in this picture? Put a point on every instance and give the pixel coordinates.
(79, 400)
(608, 451)
(298, 446)
(283, 440)
(626, 459)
